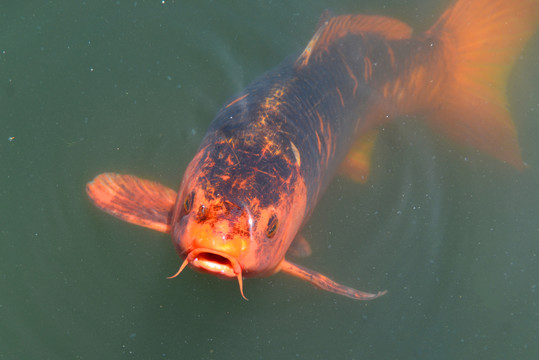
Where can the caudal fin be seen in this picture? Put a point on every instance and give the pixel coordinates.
(481, 40)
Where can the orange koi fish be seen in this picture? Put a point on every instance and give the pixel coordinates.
(271, 151)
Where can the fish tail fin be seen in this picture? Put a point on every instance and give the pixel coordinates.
(480, 40)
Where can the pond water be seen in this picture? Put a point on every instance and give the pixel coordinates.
(131, 86)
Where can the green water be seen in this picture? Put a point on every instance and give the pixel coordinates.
(130, 86)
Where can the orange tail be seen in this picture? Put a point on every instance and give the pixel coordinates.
(481, 40)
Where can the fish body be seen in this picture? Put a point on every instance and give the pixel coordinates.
(271, 151)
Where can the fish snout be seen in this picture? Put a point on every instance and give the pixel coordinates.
(216, 263)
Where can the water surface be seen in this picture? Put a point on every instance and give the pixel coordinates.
(130, 86)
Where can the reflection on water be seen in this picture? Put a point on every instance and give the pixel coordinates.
(131, 87)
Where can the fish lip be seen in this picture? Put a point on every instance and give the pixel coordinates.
(214, 262)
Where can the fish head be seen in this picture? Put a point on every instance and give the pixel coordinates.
(238, 210)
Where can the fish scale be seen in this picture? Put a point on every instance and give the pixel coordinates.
(272, 150)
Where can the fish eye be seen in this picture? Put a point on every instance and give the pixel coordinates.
(273, 224)
(188, 202)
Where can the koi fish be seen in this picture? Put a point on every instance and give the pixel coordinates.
(272, 150)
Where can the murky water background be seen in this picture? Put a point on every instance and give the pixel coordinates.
(130, 86)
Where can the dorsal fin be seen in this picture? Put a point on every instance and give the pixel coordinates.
(330, 29)
(306, 54)
(324, 19)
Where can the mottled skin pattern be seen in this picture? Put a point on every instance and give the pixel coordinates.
(272, 150)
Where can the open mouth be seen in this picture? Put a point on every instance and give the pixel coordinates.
(214, 262)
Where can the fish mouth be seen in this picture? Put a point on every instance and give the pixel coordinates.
(214, 262)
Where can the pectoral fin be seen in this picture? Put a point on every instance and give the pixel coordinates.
(138, 201)
(325, 283)
(300, 247)
(357, 164)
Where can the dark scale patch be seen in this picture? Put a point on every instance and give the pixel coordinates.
(316, 107)
(248, 168)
